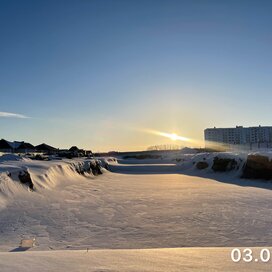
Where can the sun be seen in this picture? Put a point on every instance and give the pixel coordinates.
(173, 136)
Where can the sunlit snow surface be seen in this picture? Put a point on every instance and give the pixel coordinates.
(135, 208)
(142, 260)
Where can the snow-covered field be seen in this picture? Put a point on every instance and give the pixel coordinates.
(136, 206)
(142, 260)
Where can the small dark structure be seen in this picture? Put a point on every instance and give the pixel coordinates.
(76, 152)
(74, 148)
(47, 149)
(25, 148)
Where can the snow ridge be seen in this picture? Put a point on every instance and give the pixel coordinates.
(20, 176)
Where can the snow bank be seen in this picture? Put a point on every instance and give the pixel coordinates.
(19, 175)
(211, 162)
(257, 165)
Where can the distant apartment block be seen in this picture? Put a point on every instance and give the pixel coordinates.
(239, 137)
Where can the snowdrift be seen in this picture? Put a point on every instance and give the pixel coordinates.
(213, 162)
(257, 165)
(12, 157)
(20, 175)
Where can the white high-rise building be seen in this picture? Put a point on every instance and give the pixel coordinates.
(239, 137)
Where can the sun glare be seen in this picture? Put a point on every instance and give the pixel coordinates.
(173, 136)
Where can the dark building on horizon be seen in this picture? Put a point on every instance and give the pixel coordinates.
(25, 148)
(5, 146)
(15, 147)
(45, 148)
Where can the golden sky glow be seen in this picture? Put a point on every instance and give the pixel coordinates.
(172, 136)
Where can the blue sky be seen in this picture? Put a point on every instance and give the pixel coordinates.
(97, 74)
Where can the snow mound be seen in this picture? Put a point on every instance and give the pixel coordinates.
(12, 157)
(9, 188)
(19, 177)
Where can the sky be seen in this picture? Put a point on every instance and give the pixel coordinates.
(103, 74)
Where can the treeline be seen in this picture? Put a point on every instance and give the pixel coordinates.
(164, 147)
